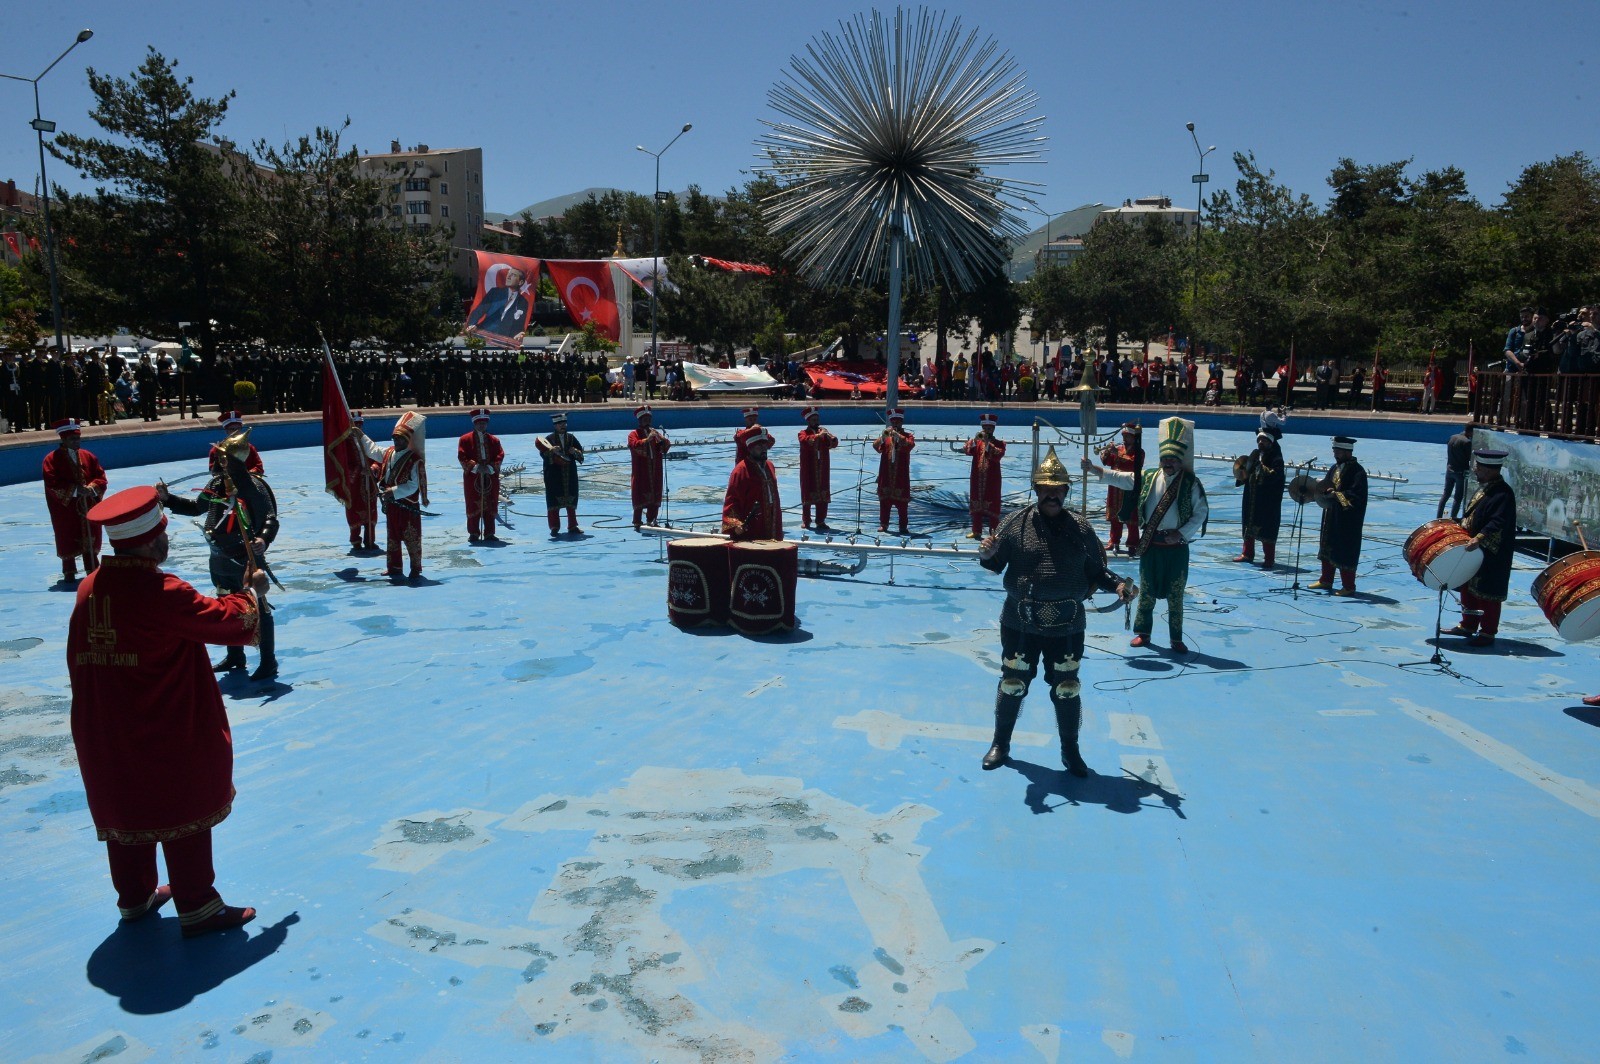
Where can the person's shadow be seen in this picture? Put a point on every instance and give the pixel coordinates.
(1119, 794)
(150, 968)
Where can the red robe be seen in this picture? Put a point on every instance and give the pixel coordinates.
(253, 463)
(152, 736)
(75, 537)
(482, 491)
(752, 498)
(1124, 460)
(894, 466)
(815, 480)
(648, 451)
(984, 484)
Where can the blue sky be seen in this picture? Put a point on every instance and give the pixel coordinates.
(558, 95)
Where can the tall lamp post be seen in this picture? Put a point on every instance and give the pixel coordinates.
(1199, 180)
(41, 127)
(655, 234)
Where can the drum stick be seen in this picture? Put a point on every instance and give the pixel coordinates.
(1581, 541)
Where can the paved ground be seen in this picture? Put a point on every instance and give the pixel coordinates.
(514, 811)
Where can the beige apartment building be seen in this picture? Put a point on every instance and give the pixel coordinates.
(434, 187)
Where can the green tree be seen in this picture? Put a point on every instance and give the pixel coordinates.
(1552, 212)
(1126, 282)
(162, 239)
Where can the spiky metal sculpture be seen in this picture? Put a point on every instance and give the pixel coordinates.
(882, 166)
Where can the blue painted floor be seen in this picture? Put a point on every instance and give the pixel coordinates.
(514, 814)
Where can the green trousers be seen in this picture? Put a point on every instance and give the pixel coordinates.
(1163, 573)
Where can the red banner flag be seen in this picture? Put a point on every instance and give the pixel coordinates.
(344, 464)
(14, 244)
(585, 287)
(502, 310)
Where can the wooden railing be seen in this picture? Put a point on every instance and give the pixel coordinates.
(1562, 405)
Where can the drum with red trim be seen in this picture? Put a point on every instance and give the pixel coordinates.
(765, 573)
(1568, 591)
(697, 581)
(1438, 555)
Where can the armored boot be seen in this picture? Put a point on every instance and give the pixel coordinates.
(1069, 718)
(267, 641)
(1007, 707)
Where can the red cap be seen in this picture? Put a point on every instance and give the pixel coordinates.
(356, 418)
(66, 425)
(989, 419)
(897, 414)
(811, 412)
(230, 417)
(642, 410)
(752, 411)
(480, 413)
(131, 517)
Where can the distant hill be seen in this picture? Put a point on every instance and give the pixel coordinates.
(551, 208)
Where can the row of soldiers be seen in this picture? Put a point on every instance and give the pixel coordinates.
(46, 387)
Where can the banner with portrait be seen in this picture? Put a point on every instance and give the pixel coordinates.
(502, 310)
(1557, 483)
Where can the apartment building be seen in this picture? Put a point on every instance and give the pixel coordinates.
(15, 205)
(434, 187)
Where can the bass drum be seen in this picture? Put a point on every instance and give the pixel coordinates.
(766, 573)
(1568, 591)
(1438, 556)
(697, 581)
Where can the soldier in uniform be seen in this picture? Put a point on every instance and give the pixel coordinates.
(402, 474)
(1491, 517)
(815, 481)
(1344, 499)
(73, 482)
(894, 448)
(1052, 560)
(1125, 457)
(480, 455)
(562, 454)
(1263, 481)
(144, 374)
(983, 494)
(648, 447)
(241, 521)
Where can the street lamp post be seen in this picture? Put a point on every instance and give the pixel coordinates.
(655, 234)
(41, 127)
(1199, 180)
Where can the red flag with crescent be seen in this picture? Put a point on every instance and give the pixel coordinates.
(14, 244)
(344, 464)
(586, 291)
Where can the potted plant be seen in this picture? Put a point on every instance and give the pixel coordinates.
(1027, 389)
(594, 389)
(244, 394)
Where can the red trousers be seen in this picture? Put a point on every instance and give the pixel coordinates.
(1489, 623)
(1347, 577)
(404, 527)
(884, 505)
(822, 513)
(1116, 534)
(133, 873)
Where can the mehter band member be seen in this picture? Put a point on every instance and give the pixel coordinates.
(752, 427)
(1052, 560)
(1491, 517)
(402, 471)
(816, 482)
(1172, 513)
(894, 448)
(480, 455)
(362, 513)
(73, 482)
(1344, 491)
(151, 733)
(562, 454)
(1261, 511)
(750, 507)
(231, 422)
(983, 484)
(648, 447)
(241, 522)
(1122, 506)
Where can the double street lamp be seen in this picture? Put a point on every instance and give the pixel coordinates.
(1199, 180)
(41, 127)
(655, 233)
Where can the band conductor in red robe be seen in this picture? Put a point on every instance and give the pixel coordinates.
(152, 737)
(648, 447)
(480, 455)
(73, 482)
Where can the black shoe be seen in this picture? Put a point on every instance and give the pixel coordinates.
(267, 670)
(229, 663)
(1073, 760)
(998, 755)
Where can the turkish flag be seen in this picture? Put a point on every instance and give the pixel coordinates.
(14, 244)
(344, 463)
(585, 287)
